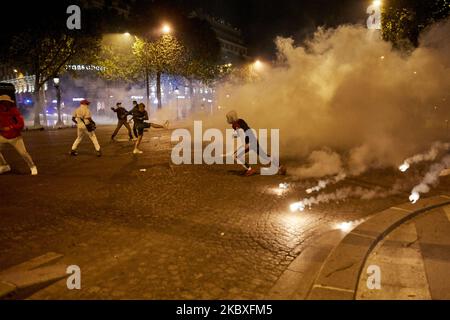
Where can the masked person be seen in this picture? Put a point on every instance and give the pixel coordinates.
(85, 126)
(122, 115)
(237, 124)
(11, 126)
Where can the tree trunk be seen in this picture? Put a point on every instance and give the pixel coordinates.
(147, 88)
(191, 93)
(37, 101)
(158, 89)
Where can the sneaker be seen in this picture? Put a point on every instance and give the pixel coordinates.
(250, 172)
(73, 153)
(34, 171)
(4, 169)
(99, 153)
(166, 124)
(137, 151)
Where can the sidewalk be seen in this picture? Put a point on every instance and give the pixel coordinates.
(414, 260)
(409, 243)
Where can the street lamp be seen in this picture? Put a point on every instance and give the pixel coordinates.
(56, 82)
(258, 65)
(127, 34)
(166, 29)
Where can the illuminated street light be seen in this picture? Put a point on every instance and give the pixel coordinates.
(258, 64)
(166, 29)
(127, 34)
(377, 3)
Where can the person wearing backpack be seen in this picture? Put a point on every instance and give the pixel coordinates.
(11, 126)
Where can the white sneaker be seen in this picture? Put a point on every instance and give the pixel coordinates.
(34, 171)
(4, 169)
(137, 151)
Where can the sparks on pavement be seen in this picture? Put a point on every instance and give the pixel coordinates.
(345, 226)
(297, 206)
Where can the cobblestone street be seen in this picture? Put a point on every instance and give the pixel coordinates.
(166, 232)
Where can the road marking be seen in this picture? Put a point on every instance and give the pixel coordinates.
(447, 212)
(333, 288)
(401, 209)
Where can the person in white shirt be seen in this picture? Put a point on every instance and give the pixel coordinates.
(82, 116)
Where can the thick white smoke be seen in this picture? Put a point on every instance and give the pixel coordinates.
(349, 98)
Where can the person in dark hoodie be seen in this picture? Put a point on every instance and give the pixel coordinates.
(122, 120)
(11, 125)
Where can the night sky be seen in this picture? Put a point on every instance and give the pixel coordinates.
(262, 20)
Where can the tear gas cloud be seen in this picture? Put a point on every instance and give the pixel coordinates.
(348, 100)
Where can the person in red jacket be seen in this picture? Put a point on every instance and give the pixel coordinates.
(11, 125)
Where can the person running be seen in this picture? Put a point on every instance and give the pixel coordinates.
(11, 126)
(236, 124)
(85, 126)
(139, 117)
(122, 120)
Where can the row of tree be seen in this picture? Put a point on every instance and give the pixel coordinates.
(43, 46)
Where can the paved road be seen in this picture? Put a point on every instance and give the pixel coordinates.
(171, 232)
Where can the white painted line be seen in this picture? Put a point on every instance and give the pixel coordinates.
(333, 288)
(401, 209)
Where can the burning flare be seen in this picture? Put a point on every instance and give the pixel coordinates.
(404, 167)
(414, 197)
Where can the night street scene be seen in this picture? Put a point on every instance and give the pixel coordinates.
(212, 150)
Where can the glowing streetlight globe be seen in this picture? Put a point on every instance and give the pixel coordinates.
(166, 29)
(126, 34)
(377, 3)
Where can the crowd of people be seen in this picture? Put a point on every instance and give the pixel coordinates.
(12, 124)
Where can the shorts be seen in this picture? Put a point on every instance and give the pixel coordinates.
(141, 127)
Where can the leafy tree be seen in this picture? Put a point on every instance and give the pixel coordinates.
(157, 57)
(43, 47)
(403, 20)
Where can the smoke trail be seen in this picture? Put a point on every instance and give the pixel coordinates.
(322, 184)
(372, 105)
(430, 155)
(344, 193)
(430, 179)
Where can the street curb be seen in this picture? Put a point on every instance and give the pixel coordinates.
(22, 280)
(339, 275)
